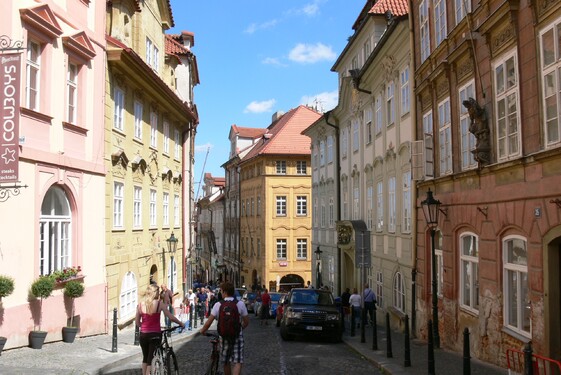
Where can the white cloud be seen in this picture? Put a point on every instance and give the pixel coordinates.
(310, 53)
(203, 148)
(273, 61)
(311, 9)
(323, 101)
(260, 107)
(265, 25)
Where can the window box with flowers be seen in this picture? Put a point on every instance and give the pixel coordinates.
(64, 275)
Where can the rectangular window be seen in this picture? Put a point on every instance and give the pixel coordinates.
(439, 21)
(469, 272)
(281, 249)
(156, 59)
(405, 92)
(281, 166)
(153, 212)
(33, 75)
(72, 92)
(165, 207)
(322, 153)
(118, 115)
(515, 275)
(406, 210)
(550, 47)
(379, 115)
(281, 206)
(356, 203)
(301, 167)
(468, 139)
(370, 207)
(148, 51)
(118, 204)
(390, 104)
(445, 137)
(399, 292)
(379, 206)
(463, 7)
(380, 289)
(506, 104)
(153, 129)
(166, 137)
(331, 213)
(391, 205)
(301, 249)
(429, 144)
(176, 211)
(330, 149)
(137, 207)
(344, 141)
(177, 141)
(368, 124)
(138, 113)
(356, 135)
(323, 214)
(301, 205)
(258, 206)
(345, 205)
(424, 29)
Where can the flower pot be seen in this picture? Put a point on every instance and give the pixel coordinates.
(36, 339)
(69, 334)
(2, 343)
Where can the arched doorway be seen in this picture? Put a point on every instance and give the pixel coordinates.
(153, 275)
(290, 281)
(552, 292)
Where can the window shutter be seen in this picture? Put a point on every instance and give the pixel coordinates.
(429, 156)
(417, 159)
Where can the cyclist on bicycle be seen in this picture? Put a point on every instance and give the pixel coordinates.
(232, 352)
(148, 314)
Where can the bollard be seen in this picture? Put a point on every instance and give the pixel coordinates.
(136, 335)
(374, 331)
(467, 363)
(528, 362)
(389, 353)
(195, 317)
(190, 317)
(407, 362)
(362, 325)
(202, 314)
(114, 343)
(431, 349)
(352, 322)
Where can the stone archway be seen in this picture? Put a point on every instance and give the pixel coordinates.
(552, 292)
(290, 281)
(154, 275)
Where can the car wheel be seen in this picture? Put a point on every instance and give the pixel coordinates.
(278, 323)
(284, 335)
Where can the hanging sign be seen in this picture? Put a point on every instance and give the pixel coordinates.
(10, 68)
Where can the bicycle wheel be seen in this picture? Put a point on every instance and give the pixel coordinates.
(171, 363)
(213, 365)
(158, 365)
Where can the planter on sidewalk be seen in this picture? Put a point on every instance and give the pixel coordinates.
(69, 334)
(36, 339)
(2, 343)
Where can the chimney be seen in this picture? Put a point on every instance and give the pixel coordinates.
(277, 115)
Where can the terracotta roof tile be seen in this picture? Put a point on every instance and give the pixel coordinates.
(173, 47)
(397, 7)
(248, 132)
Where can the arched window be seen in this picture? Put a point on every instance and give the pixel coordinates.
(399, 292)
(55, 224)
(128, 298)
(469, 272)
(516, 299)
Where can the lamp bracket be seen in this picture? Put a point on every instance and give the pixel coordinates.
(556, 201)
(483, 210)
(444, 211)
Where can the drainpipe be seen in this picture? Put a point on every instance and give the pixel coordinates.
(337, 189)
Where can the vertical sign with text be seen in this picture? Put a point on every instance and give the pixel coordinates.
(10, 66)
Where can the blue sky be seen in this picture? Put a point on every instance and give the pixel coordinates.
(257, 57)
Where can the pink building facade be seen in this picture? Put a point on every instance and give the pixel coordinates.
(52, 174)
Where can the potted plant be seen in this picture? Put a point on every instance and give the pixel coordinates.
(41, 288)
(6, 288)
(73, 289)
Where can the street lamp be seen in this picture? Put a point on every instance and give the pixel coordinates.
(172, 248)
(431, 209)
(318, 267)
(240, 264)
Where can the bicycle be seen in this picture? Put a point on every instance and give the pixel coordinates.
(214, 355)
(165, 361)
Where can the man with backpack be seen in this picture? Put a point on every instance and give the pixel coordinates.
(232, 319)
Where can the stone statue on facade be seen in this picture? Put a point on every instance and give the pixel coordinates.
(479, 127)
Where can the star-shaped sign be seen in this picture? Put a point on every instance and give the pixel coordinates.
(9, 155)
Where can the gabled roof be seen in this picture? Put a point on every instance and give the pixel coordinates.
(244, 132)
(284, 137)
(397, 8)
(173, 47)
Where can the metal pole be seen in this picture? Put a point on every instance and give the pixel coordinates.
(136, 335)
(114, 341)
(362, 312)
(374, 331)
(407, 362)
(434, 292)
(172, 267)
(389, 352)
(528, 362)
(431, 349)
(352, 321)
(467, 363)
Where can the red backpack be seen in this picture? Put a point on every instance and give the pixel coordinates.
(229, 325)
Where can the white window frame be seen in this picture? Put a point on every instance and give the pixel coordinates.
(322, 214)
(172, 274)
(153, 208)
(153, 129)
(518, 271)
(551, 77)
(390, 103)
(428, 130)
(33, 75)
(368, 124)
(176, 211)
(331, 212)
(128, 296)
(469, 272)
(508, 145)
(380, 289)
(281, 205)
(438, 252)
(330, 149)
(301, 167)
(72, 76)
(369, 206)
(379, 113)
(119, 110)
(138, 114)
(445, 137)
(424, 30)
(166, 137)
(165, 208)
(177, 145)
(118, 204)
(301, 205)
(399, 292)
(391, 204)
(440, 27)
(301, 249)
(280, 167)
(405, 91)
(467, 145)
(344, 141)
(137, 207)
(281, 249)
(406, 203)
(356, 135)
(148, 51)
(463, 7)
(379, 206)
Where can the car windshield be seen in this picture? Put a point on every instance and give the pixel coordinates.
(312, 297)
(275, 296)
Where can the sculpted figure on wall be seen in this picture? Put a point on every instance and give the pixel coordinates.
(479, 127)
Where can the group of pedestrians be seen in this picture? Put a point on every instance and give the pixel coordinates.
(352, 305)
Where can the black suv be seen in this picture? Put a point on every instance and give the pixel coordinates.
(311, 312)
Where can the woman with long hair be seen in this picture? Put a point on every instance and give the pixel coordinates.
(148, 319)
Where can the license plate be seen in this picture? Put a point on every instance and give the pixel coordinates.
(314, 328)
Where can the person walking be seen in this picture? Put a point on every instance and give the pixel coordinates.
(167, 299)
(369, 301)
(355, 301)
(265, 306)
(201, 303)
(345, 303)
(232, 354)
(148, 319)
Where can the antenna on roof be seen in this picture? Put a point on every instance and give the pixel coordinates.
(318, 105)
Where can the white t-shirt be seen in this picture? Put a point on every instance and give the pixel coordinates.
(354, 300)
(240, 305)
(191, 298)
